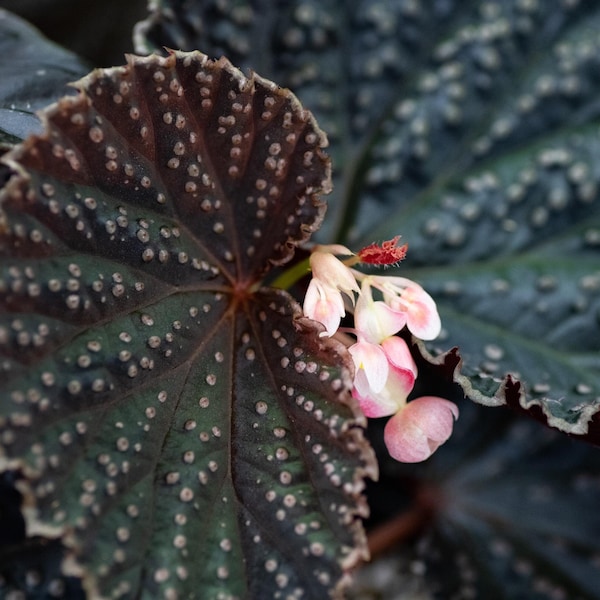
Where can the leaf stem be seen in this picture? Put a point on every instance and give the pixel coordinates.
(398, 530)
(288, 278)
(292, 275)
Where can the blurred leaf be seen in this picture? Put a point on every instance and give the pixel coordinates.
(507, 511)
(99, 31)
(346, 64)
(35, 567)
(33, 73)
(471, 129)
(34, 564)
(514, 512)
(189, 426)
(510, 249)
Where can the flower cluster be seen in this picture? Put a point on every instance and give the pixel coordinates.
(385, 371)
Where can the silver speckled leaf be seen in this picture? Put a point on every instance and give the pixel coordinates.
(347, 62)
(186, 427)
(471, 129)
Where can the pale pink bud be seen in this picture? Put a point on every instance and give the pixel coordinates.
(415, 432)
(324, 304)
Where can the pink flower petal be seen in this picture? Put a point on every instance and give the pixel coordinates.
(390, 399)
(374, 320)
(376, 405)
(398, 354)
(423, 319)
(325, 305)
(333, 272)
(385, 399)
(371, 367)
(405, 441)
(434, 415)
(416, 431)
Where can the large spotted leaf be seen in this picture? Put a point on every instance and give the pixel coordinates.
(345, 61)
(471, 129)
(184, 430)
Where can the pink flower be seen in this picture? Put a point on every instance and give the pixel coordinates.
(415, 432)
(385, 376)
(374, 320)
(402, 294)
(323, 301)
(324, 304)
(385, 371)
(332, 271)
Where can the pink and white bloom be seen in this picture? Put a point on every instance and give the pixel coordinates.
(371, 366)
(323, 301)
(385, 371)
(414, 433)
(385, 376)
(324, 304)
(402, 294)
(374, 320)
(332, 271)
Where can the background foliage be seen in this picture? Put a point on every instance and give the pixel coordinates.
(472, 129)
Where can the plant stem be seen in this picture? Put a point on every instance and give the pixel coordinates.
(398, 530)
(289, 277)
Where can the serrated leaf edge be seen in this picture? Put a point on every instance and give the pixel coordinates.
(509, 386)
(354, 430)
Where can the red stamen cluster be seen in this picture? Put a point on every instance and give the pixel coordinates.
(389, 253)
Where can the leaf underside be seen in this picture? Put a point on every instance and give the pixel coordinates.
(188, 427)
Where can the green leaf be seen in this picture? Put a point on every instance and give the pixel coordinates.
(500, 209)
(472, 130)
(32, 564)
(345, 64)
(33, 73)
(186, 424)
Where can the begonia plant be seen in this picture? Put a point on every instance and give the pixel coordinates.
(298, 286)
